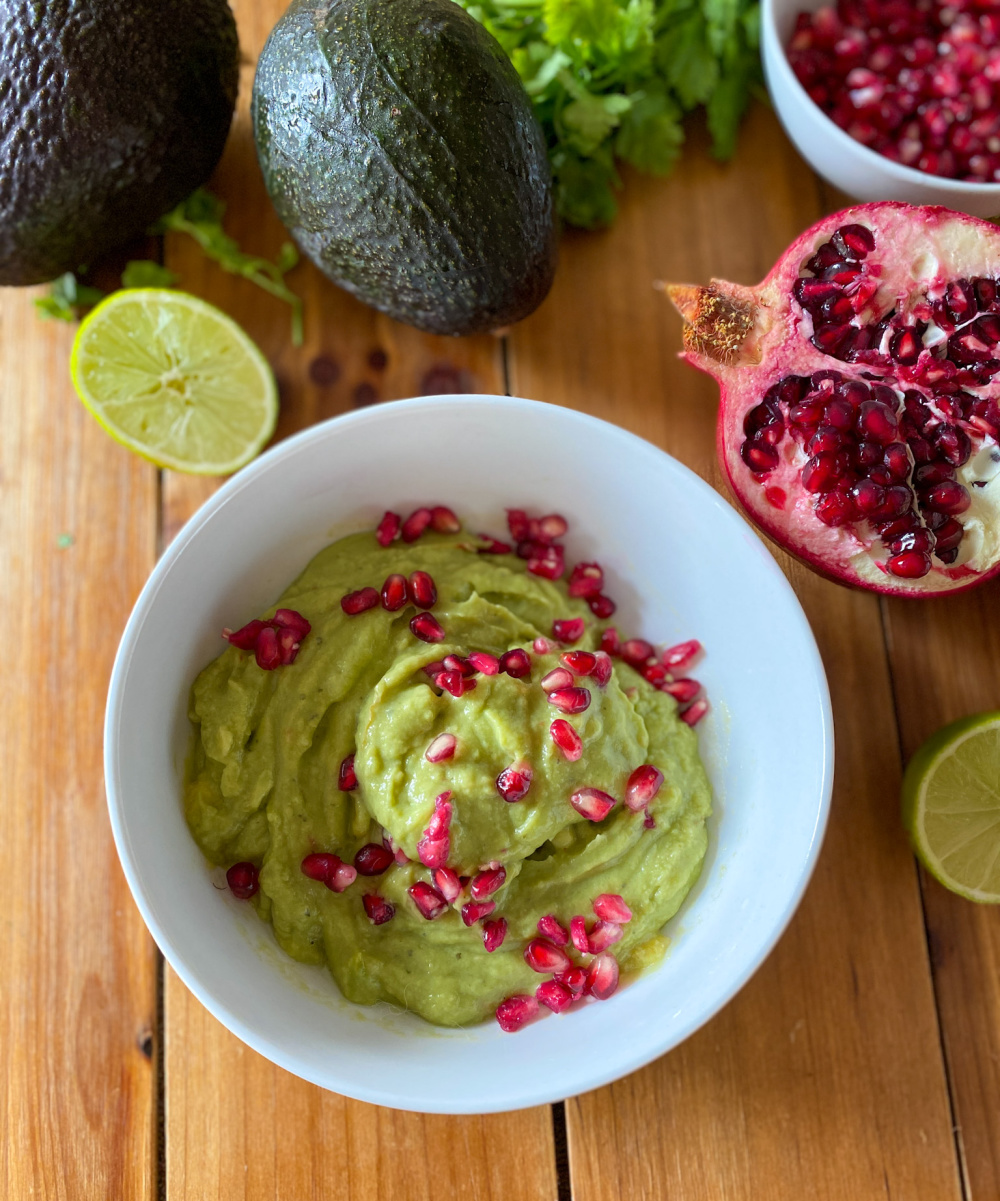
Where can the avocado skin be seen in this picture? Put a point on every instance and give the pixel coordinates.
(111, 112)
(401, 151)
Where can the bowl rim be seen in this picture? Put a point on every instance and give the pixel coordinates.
(904, 173)
(535, 1093)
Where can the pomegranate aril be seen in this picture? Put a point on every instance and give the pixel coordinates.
(580, 663)
(575, 979)
(440, 748)
(643, 785)
(344, 875)
(320, 865)
(637, 651)
(451, 681)
(604, 935)
(948, 536)
(493, 546)
(267, 652)
(554, 996)
(592, 803)
(543, 646)
(897, 460)
(610, 642)
(518, 524)
(494, 933)
(515, 1011)
(911, 564)
(243, 880)
(516, 663)
(444, 521)
(475, 911)
(513, 782)
(415, 524)
(447, 883)
(347, 777)
(612, 908)
(544, 956)
(905, 347)
(422, 590)
(602, 977)
(953, 444)
(388, 529)
(486, 883)
(922, 540)
(578, 934)
(603, 668)
(877, 422)
(834, 508)
(570, 700)
(394, 594)
(566, 739)
(373, 859)
(821, 472)
(683, 691)
(826, 440)
(854, 241)
(245, 638)
(359, 602)
(553, 930)
(585, 580)
(760, 457)
(677, 658)
(694, 713)
(378, 910)
(568, 630)
(558, 677)
(602, 606)
(427, 628)
(948, 497)
(551, 527)
(549, 564)
(483, 662)
(428, 901)
(457, 663)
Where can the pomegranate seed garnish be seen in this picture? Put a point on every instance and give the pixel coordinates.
(516, 663)
(636, 651)
(515, 1011)
(518, 524)
(433, 669)
(474, 911)
(441, 748)
(602, 606)
(513, 782)
(683, 691)
(569, 629)
(592, 803)
(575, 979)
(602, 669)
(493, 546)
(542, 646)
(602, 977)
(242, 880)
(488, 664)
(551, 929)
(320, 865)
(558, 677)
(388, 529)
(415, 524)
(267, 651)
(373, 859)
(423, 593)
(401, 857)
(244, 638)
(457, 663)
(359, 602)
(347, 777)
(379, 911)
(292, 620)
(394, 593)
(694, 713)
(486, 883)
(566, 739)
(570, 700)
(444, 521)
(581, 663)
(447, 883)
(451, 681)
(609, 641)
(343, 877)
(428, 900)
(544, 956)
(643, 785)
(549, 564)
(552, 527)
(604, 935)
(655, 673)
(612, 908)
(427, 628)
(676, 658)
(494, 933)
(578, 934)
(649, 822)
(585, 580)
(554, 996)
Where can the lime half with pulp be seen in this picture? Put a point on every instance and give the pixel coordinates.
(176, 380)
(951, 806)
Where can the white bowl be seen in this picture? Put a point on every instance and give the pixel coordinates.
(680, 562)
(834, 154)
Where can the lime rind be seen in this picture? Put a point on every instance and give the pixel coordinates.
(175, 380)
(951, 806)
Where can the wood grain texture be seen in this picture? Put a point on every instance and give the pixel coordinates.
(77, 969)
(824, 1077)
(236, 1125)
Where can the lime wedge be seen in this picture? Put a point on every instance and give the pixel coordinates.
(951, 806)
(175, 380)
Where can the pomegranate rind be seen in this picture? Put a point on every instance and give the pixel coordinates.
(927, 244)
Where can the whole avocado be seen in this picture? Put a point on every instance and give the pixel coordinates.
(400, 149)
(111, 112)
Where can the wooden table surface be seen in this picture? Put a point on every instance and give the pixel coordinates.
(863, 1059)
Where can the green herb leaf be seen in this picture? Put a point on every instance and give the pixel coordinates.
(144, 273)
(67, 299)
(651, 135)
(585, 188)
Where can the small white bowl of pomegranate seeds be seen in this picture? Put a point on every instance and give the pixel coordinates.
(891, 100)
(681, 567)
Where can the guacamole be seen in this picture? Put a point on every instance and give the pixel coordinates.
(264, 780)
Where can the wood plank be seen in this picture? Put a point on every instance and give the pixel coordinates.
(824, 1077)
(77, 969)
(944, 657)
(238, 1127)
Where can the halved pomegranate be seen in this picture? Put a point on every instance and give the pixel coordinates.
(860, 413)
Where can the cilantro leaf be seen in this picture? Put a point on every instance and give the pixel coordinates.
(67, 299)
(144, 273)
(651, 135)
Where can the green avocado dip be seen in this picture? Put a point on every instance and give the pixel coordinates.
(263, 781)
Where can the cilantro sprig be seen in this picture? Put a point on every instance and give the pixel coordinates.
(612, 79)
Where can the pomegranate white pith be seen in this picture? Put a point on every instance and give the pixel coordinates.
(859, 421)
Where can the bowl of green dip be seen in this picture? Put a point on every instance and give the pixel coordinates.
(211, 760)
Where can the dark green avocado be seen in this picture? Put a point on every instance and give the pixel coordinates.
(400, 149)
(111, 112)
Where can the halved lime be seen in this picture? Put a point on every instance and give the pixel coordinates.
(951, 806)
(176, 380)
